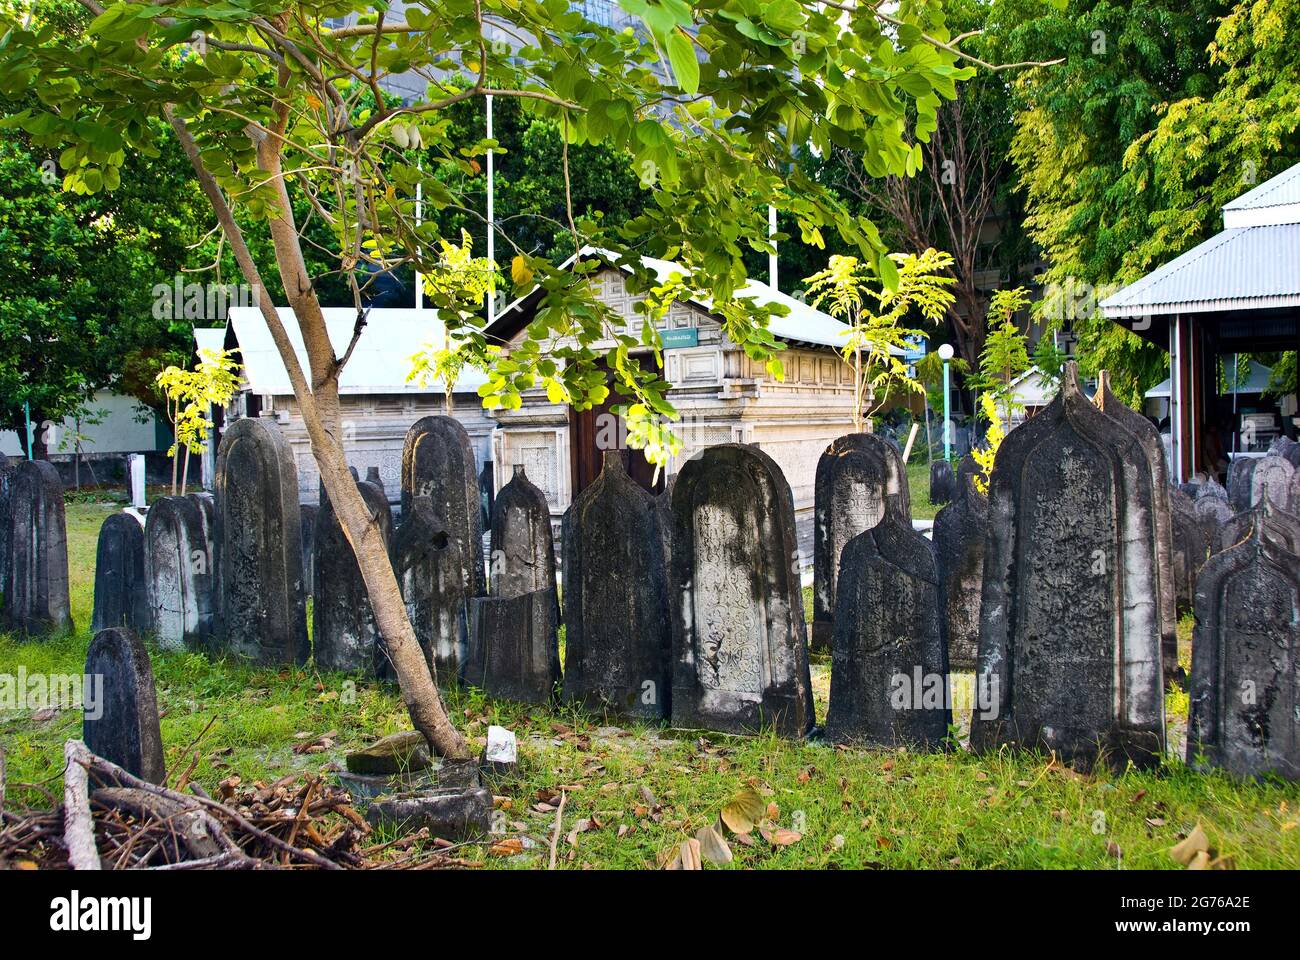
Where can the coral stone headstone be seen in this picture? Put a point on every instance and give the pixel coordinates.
(1190, 547)
(1070, 645)
(618, 638)
(523, 548)
(889, 668)
(259, 541)
(180, 574)
(429, 568)
(344, 634)
(1240, 477)
(740, 654)
(959, 533)
(512, 652)
(1280, 528)
(1244, 714)
(1274, 477)
(121, 597)
(122, 724)
(860, 477)
(36, 586)
(943, 482)
(438, 462)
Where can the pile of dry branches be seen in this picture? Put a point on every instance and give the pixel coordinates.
(111, 820)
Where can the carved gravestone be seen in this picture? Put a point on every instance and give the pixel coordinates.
(1280, 528)
(740, 654)
(121, 597)
(943, 483)
(36, 588)
(1213, 513)
(259, 541)
(860, 477)
(122, 724)
(344, 634)
(6, 518)
(959, 533)
(429, 568)
(1190, 548)
(523, 549)
(1146, 434)
(1290, 450)
(438, 462)
(1243, 714)
(1070, 646)
(1240, 476)
(1274, 477)
(967, 470)
(618, 639)
(307, 513)
(1209, 488)
(512, 652)
(889, 669)
(180, 574)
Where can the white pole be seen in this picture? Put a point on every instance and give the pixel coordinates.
(491, 214)
(771, 257)
(419, 207)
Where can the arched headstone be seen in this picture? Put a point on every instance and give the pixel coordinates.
(122, 724)
(1244, 715)
(1190, 547)
(438, 462)
(180, 574)
(259, 541)
(943, 482)
(859, 477)
(959, 532)
(1280, 528)
(1274, 477)
(428, 566)
(523, 548)
(1070, 648)
(36, 588)
(889, 669)
(121, 594)
(1209, 488)
(740, 653)
(1240, 476)
(344, 634)
(618, 639)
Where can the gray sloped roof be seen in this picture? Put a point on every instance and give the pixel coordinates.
(1278, 191)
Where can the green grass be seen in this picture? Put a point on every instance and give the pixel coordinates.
(918, 482)
(853, 808)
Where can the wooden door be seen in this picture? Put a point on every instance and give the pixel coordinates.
(594, 431)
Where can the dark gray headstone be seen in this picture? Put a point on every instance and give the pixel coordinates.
(1070, 647)
(373, 477)
(1213, 513)
(1243, 716)
(943, 482)
(1274, 477)
(860, 477)
(121, 597)
(889, 669)
(36, 589)
(1240, 476)
(1280, 528)
(1146, 434)
(959, 532)
(438, 462)
(1190, 548)
(523, 548)
(6, 519)
(618, 638)
(122, 727)
(180, 574)
(740, 652)
(429, 568)
(307, 524)
(486, 494)
(259, 541)
(344, 634)
(1209, 488)
(967, 470)
(513, 653)
(1290, 450)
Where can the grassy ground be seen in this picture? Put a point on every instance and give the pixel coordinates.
(640, 791)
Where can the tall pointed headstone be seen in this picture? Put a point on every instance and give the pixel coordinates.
(36, 586)
(121, 597)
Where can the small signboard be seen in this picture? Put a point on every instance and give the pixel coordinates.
(679, 337)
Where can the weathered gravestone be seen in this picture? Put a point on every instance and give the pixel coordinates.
(860, 477)
(1240, 477)
(618, 639)
(959, 532)
(372, 476)
(740, 654)
(1190, 548)
(1274, 477)
(1070, 645)
(1209, 488)
(1280, 528)
(122, 724)
(943, 483)
(6, 519)
(36, 588)
(523, 548)
(889, 668)
(121, 595)
(429, 568)
(180, 573)
(1146, 434)
(344, 634)
(967, 470)
(259, 541)
(1243, 713)
(512, 652)
(307, 513)
(1213, 513)
(1288, 449)
(438, 462)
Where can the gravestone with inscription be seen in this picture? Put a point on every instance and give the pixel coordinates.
(740, 653)
(1240, 477)
(1146, 434)
(1213, 512)
(259, 542)
(121, 725)
(1274, 477)
(889, 668)
(512, 651)
(1211, 489)
(36, 585)
(943, 483)
(344, 634)
(180, 574)
(1280, 528)
(428, 565)
(523, 548)
(1070, 647)
(860, 477)
(1190, 548)
(618, 639)
(121, 597)
(1243, 714)
(438, 462)
(959, 533)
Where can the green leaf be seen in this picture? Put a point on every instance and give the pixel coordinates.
(681, 53)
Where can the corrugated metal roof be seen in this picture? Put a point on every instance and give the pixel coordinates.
(1277, 191)
(1245, 268)
(379, 364)
(1255, 377)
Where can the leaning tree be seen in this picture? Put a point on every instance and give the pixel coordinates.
(274, 101)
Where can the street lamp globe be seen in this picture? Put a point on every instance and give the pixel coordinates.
(945, 352)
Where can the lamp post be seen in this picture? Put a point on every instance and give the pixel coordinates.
(945, 354)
